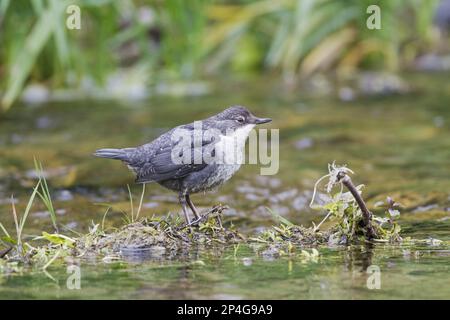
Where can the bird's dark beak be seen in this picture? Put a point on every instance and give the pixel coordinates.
(261, 120)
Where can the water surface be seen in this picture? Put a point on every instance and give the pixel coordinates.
(398, 146)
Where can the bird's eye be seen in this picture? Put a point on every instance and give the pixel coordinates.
(240, 119)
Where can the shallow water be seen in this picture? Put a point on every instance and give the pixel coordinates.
(397, 145)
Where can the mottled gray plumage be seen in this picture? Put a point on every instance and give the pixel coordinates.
(152, 162)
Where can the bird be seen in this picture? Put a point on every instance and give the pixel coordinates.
(192, 158)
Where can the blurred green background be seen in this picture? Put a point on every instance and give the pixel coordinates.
(131, 47)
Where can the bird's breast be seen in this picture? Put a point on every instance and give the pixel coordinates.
(220, 174)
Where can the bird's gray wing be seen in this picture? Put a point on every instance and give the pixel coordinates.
(159, 165)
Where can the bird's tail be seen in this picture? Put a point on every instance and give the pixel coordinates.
(118, 154)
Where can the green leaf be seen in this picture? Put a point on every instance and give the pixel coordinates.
(278, 218)
(9, 240)
(57, 239)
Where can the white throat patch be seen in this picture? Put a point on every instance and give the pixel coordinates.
(231, 146)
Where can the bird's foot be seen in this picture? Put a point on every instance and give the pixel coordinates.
(213, 212)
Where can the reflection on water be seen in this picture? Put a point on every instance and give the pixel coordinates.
(399, 146)
(339, 273)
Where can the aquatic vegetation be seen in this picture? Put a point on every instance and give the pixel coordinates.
(19, 223)
(16, 248)
(352, 223)
(167, 235)
(44, 193)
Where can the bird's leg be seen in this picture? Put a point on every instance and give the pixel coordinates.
(182, 200)
(191, 205)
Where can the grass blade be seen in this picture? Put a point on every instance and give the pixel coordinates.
(4, 230)
(45, 193)
(140, 201)
(28, 208)
(131, 203)
(16, 220)
(278, 218)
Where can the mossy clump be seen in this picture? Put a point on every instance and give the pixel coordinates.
(168, 234)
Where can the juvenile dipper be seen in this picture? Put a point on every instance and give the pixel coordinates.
(193, 157)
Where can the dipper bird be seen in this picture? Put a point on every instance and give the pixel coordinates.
(193, 157)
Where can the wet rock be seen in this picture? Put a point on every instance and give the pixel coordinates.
(425, 208)
(253, 197)
(60, 212)
(44, 122)
(304, 143)
(41, 214)
(280, 210)
(439, 121)
(248, 189)
(283, 196)
(261, 211)
(319, 84)
(150, 205)
(232, 212)
(71, 225)
(46, 214)
(8, 201)
(267, 181)
(433, 62)
(247, 261)
(35, 94)
(379, 84)
(63, 195)
(164, 198)
(48, 173)
(146, 16)
(300, 203)
(441, 16)
(224, 199)
(270, 253)
(346, 94)
(16, 138)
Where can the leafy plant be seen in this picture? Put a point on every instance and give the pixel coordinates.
(350, 212)
(19, 221)
(40, 189)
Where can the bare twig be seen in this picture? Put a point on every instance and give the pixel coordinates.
(367, 215)
(5, 252)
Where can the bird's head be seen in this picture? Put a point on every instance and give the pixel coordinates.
(236, 117)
